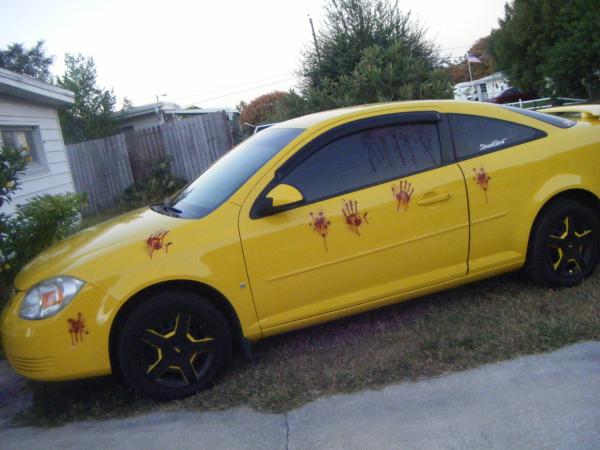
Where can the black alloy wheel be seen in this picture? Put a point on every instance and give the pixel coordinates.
(174, 345)
(566, 244)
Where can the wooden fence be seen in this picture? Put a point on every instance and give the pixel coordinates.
(103, 168)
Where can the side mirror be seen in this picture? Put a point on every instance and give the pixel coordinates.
(284, 194)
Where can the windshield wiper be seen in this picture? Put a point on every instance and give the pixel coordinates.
(163, 208)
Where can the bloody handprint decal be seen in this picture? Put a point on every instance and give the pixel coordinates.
(403, 193)
(156, 241)
(320, 224)
(77, 329)
(354, 218)
(482, 179)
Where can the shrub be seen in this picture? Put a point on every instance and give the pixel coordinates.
(12, 163)
(36, 225)
(157, 186)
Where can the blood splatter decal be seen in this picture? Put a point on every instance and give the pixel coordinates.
(156, 241)
(77, 329)
(320, 224)
(354, 219)
(482, 179)
(403, 193)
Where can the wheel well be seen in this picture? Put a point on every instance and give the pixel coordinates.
(580, 195)
(209, 293)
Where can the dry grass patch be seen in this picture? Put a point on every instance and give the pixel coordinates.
(489, 321)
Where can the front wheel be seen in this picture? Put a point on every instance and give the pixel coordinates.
(173, 345)
(565, 244)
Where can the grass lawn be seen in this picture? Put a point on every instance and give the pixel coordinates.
(488, 321)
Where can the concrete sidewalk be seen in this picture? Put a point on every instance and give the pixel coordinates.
(542, 401)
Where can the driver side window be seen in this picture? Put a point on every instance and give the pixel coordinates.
(366, 158)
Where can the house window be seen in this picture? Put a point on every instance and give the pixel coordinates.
(20, 138)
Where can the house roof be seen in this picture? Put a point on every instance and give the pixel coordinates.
(35, 90)
(151, 108)
(167, 108)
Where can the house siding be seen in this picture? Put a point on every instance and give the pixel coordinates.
(57, 178)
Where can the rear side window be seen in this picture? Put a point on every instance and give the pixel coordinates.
(474, 135)
(366, 158)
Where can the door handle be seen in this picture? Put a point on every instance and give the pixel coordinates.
(430, 198)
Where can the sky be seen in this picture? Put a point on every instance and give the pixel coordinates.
(208, 53)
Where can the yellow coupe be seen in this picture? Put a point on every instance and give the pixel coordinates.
(307, 221)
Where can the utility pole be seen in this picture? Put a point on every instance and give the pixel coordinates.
(312, 27)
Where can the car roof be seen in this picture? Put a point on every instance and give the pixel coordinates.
(333, 115)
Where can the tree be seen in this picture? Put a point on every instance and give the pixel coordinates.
(91, 115)
(127, 103)
(459, 70)
(261, 109)
(33, 62)
(368, 51)
(351, 27)
(550, 46)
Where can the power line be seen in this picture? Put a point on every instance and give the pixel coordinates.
(243, 90)
(231, 87)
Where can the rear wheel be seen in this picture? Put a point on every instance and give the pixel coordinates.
(565, 244)
(173, 345)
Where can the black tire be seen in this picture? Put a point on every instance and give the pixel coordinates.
(565, 244)
(173, 345)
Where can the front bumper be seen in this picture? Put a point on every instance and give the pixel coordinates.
(69, 345)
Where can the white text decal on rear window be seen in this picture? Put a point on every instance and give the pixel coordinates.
(494, 143)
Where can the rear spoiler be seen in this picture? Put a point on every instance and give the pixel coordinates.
(584, 111)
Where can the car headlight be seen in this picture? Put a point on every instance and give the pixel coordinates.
(48, 297)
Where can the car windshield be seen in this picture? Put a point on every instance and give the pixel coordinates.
(225, 176)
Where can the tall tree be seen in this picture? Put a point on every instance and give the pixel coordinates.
(368, 51)
(459, 70)
(261, 109)
(33, 61)
(550, 46)
(351, 27)
(91, 115)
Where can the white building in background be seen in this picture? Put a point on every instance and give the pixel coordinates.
(29, 118)
(483, 89)
(154, 114)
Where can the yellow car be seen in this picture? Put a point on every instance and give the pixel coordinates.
(307, 221)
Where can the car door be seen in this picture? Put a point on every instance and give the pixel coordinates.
(500, 161)
(383, 213)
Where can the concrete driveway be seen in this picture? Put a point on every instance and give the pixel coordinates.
(542, 401)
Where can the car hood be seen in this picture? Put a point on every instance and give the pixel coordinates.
(126, 236)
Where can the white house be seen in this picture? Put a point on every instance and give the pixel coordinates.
(482, 89)
(29, 117)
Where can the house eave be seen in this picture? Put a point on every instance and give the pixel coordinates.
(28, 88)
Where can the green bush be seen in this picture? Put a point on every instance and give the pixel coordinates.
(12, 163)
(160, 184)
(34, 226)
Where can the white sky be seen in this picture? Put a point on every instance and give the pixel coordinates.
(194, 51)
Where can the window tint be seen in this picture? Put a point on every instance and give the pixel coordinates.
(547, 118)
(476, 134)
(366, 158)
